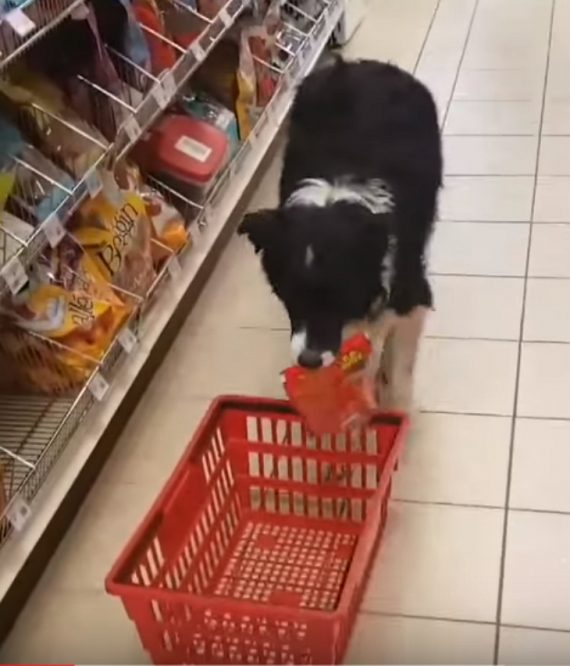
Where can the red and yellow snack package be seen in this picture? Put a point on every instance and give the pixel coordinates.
(333, 398)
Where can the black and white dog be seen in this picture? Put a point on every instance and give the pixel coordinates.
(358, 195)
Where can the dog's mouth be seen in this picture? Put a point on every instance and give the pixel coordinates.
(309, 355)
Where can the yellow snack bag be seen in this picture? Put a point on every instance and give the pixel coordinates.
(247, 88)
(62, 322)
(115, 231)
(167, 224)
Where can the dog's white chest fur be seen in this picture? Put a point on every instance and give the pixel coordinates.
(374, 195)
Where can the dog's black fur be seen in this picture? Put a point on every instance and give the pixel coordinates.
(362, 120)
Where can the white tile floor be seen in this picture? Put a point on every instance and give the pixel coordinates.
(475, 566)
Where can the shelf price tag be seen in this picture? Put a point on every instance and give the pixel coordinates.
(20, 22)
(305, 51)
(127, 340)
(132, 128)
(169, 86)
(80, 13)
(225, 17)
(160, 96)
(93, 183)
(208, 214)
(54, 230)
(287, 79)
(98, 386)
(14, 275)
(174, 267)
(18, 513)
(271, 112)
(198, 51)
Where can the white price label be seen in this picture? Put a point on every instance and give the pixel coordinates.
(20, 23)
(174, 267)
(18, 513)
(208, 214)
(80, 13)
(127, 340)
(14, 275)
(287, 79)
(53, 230)
(98, 386)
(94, 183)
(159, 95)
(225, 17)
(198, 51)
(252, 138)
(169, 86)
(132, 128)
(272, 113)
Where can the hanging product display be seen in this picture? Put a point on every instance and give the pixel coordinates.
(130, 130)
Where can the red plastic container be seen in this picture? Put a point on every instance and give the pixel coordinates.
(185, 151)
(258, 549)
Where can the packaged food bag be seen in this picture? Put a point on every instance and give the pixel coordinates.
(168, 227)
(338, 396)
(162, 54)
(62, 322)
(204, 107)
(115, 231)
(29, 195)
(27, 94)
(256, 82)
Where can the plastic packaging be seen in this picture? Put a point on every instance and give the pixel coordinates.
(184, 152)
(338, 396)
(115, 231)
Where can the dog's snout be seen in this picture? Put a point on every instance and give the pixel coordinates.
(310, 359)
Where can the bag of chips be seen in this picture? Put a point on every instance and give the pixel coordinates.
(62, 322)
(338, 396)
(115, 231)
(168, 227)
(256, 82)
(28, 94)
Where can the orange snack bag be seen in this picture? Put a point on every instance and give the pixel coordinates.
(333, 398)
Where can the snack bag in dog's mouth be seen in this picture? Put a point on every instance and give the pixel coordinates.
(333, 398)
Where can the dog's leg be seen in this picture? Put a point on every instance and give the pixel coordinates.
(379, 332)
(401, 359)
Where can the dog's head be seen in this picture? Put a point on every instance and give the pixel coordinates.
(324, 264)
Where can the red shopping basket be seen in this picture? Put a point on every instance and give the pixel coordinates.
(258, 548)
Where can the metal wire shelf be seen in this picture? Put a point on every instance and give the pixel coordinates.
(125, 116)
(17, 35)
(35, 429)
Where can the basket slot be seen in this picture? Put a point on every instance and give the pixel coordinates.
(209, 531)
(237, 446)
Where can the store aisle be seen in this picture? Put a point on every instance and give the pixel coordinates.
(475, 566)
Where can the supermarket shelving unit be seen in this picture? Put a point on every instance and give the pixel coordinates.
(56, 446)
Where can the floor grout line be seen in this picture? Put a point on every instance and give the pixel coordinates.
(434, 618)
(502, 566)
(447, 174)
(489, 135)
(498, 276)
(442, 618)
(478, 505)
(447, 412)
(427, 336)
(425, 40)
(559, 223)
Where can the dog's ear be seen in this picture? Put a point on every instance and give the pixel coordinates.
(261, 227)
